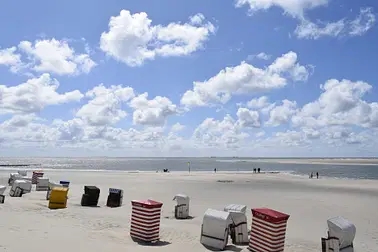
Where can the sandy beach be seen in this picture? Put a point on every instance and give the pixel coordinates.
(28, 225)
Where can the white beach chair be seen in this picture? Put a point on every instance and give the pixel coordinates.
(25, 185)
(215, 229)
(23, 173)
(13, 176)
(238, 228)
(42, 184)
(341, 233)
(182, 207)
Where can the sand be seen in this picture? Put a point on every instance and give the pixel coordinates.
(26, 224)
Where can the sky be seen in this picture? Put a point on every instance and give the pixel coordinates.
(258, 78)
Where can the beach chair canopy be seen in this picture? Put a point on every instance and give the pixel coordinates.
(181, 199)
(235, 208)
(215, 222)
(342, 229)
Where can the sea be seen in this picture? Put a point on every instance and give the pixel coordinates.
(140, 164)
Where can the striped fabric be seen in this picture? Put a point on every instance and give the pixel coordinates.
(145, 220)
(35, 176)
(267, 233)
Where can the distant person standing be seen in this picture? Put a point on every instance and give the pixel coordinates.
(311, 175)
(215, 170)
(317, 175)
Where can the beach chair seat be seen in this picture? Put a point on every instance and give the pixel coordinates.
(341, 233)
(145, 220)
(25, 185)
(42, 184)
(50, 187)
(115, 197)
(215, 229)
(36, 175)
(239, 227)
(90, 196)
(182, 207)
(58, 198)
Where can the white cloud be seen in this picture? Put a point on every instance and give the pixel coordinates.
(9, 57)
(133, 39)
(340, 104)
(357, 27)
(363, 22)
(56, 56)
(177, 127)
(245, 79)
(258, 103)
(262, 56)
(291, 138)
(105, 107)
(34, 95)
(295, 8)
(282, 114)
(152, 112)
(197, 19)
(260, 134)
(310, 30)
(314, 30)
(224, 134)
(248, 118)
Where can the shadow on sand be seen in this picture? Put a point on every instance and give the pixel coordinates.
(227, 248)
(151, 244)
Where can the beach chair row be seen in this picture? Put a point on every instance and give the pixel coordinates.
(267, 234)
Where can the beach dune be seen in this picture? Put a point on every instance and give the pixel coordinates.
(26, 224)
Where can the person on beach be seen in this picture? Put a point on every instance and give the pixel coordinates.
(317, 175)
(215, 170)
(311, 175)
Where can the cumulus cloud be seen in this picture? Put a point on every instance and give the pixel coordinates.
(248, 118)
(55, 56)
(295, 8)
(245, 79)
(152, 112)
(105, 106)
(34, 95)
(9, 57)
(133, 39)
(177, 127)
(261, 56)
(340, 103)
(308, 29)
(258, 103)
(343, 27)
(215, 133)
(283, 113)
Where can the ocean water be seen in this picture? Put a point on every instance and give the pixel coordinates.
(354, 171)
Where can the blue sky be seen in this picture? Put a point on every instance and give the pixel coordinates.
(243, 77)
